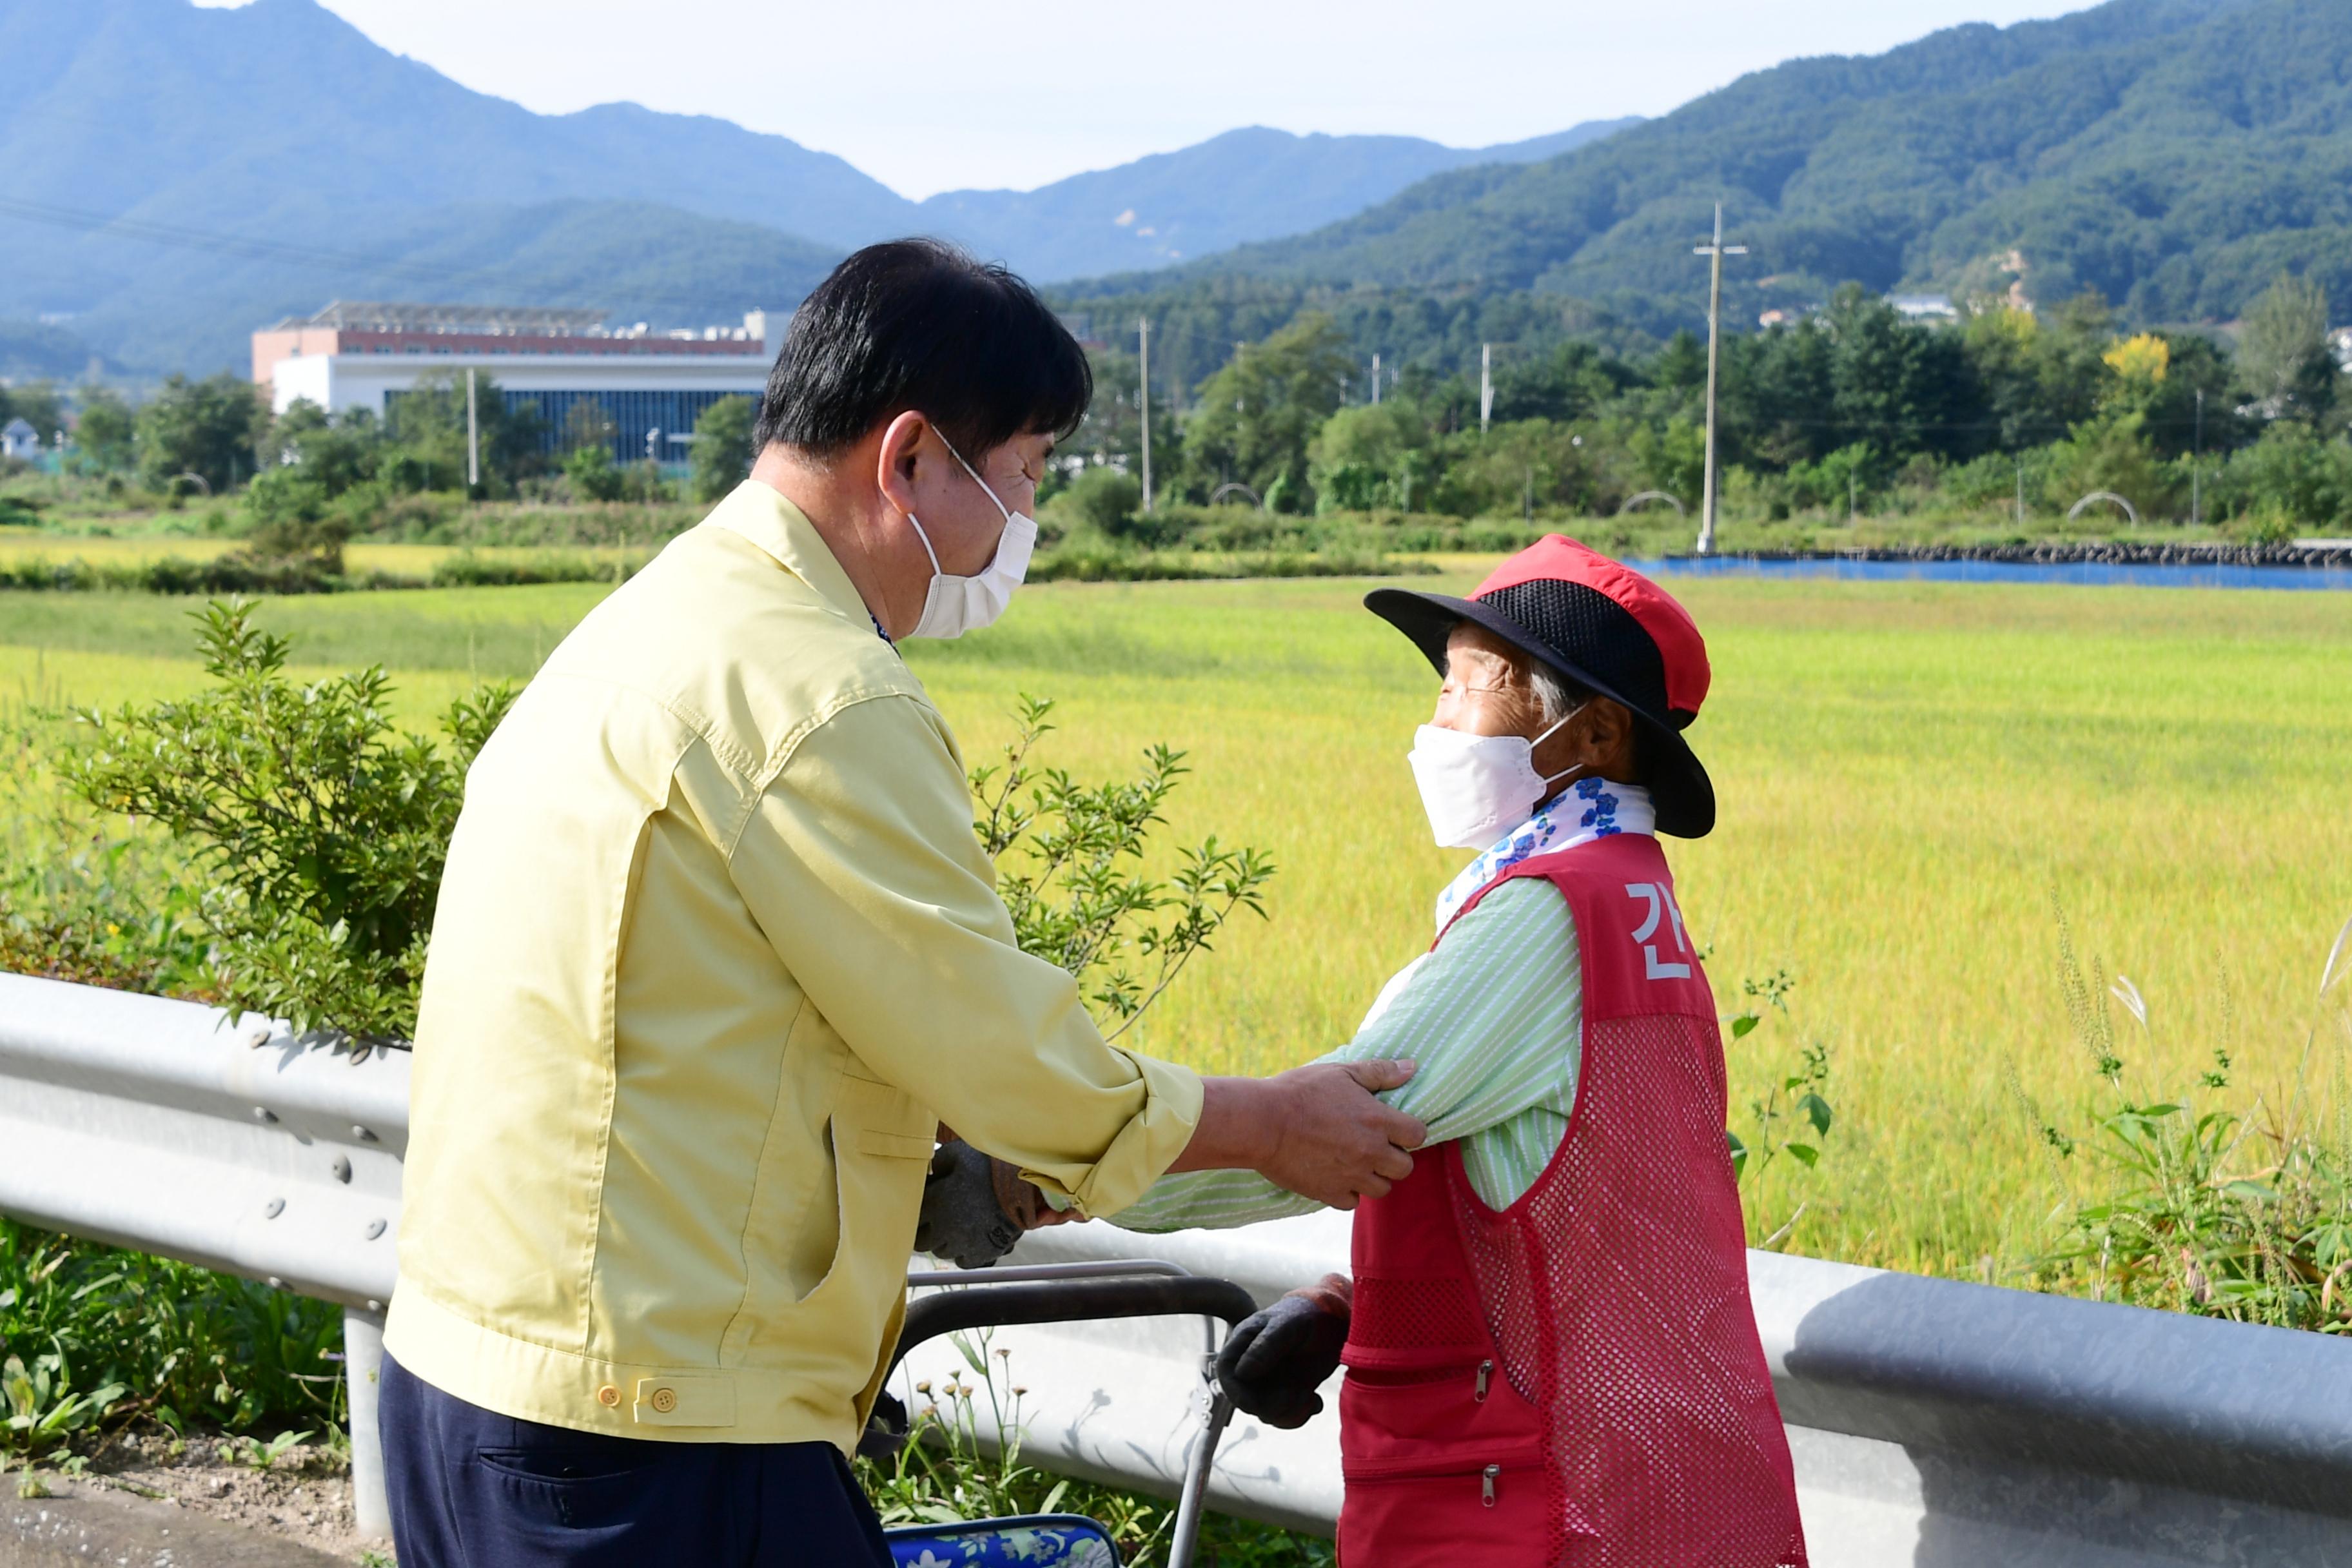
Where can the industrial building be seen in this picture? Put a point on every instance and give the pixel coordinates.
(650, 386)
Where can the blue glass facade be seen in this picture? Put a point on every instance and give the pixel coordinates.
(633, 414)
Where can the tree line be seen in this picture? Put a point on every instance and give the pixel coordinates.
(308, 480)
(1853, 405)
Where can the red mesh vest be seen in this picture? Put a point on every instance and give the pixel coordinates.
(1576, 1380)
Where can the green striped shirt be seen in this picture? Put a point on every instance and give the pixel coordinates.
(1494, 1016)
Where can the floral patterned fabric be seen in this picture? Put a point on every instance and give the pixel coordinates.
(1586, 810)
(1045, 1540)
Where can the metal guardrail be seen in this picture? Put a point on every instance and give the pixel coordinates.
(167, 1127)
(1932, 1422)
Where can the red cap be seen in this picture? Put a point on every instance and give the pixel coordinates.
(1558, 559)
(1569, 607)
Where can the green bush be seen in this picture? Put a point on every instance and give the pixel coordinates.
(467, 570)
(322, 828)
(1109, 501)
(594, 475)
(2292, 480)
(294, 523)
(237, 573)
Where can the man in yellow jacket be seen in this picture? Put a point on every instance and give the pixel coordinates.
(717, 954)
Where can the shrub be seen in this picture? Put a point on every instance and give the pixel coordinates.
(323, 829)
(1107, 500)
(2293, 474)
(294, 523)
(2112, 453)
(467, 570)
(1076, 891)
(594, 475)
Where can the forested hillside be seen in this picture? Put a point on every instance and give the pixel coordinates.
(1246, 184)
(2173, 154)
(180, 175)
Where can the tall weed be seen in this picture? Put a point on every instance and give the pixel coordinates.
(2186, 1201)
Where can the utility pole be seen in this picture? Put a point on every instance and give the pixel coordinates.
(2196, 465)
(1715, 253)
(473, 438)
(1486, 386)
(1143, 403)
(1376, 381)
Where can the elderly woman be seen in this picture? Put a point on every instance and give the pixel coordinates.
(1551, 1357)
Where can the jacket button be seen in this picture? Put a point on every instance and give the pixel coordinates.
(665, 1399)
(608, 1395)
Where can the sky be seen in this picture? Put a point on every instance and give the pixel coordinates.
(928, 96)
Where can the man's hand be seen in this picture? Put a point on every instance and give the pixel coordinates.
(975, 1207)
(1336, 1143)
(1316, 1131)
(1273, 1362)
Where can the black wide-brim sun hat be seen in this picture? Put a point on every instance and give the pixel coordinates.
(1598, 625)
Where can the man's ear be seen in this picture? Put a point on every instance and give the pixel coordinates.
(894, 459)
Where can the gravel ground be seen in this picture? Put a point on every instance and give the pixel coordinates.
(304, 1497)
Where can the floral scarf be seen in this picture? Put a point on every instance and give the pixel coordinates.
(1586, 810)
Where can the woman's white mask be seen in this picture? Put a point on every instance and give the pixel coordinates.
(1476, 788)
(954, 605)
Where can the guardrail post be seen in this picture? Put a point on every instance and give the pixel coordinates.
(362, 1371)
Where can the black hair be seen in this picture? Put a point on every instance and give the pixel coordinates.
(919, 324)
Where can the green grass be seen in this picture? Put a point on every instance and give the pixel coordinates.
(1911, 775)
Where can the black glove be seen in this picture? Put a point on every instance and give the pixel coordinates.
(1273, 1362)
(886, 1429)
(974, 1207)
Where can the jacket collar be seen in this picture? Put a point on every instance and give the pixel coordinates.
(761, 514)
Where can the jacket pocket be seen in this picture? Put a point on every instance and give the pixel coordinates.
(1498, 1513)
(1443, 1466)
(880, 1143)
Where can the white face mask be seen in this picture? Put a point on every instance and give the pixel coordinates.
(954, 605)
(1476, 788)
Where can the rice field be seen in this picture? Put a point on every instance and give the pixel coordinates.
(1914, 777)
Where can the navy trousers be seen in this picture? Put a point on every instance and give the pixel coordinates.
(473, 1489)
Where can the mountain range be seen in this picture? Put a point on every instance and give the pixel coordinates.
(178, 175)
(2173, 154)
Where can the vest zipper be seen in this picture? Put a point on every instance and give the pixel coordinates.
(1486, 1484)
(1486, 1372)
